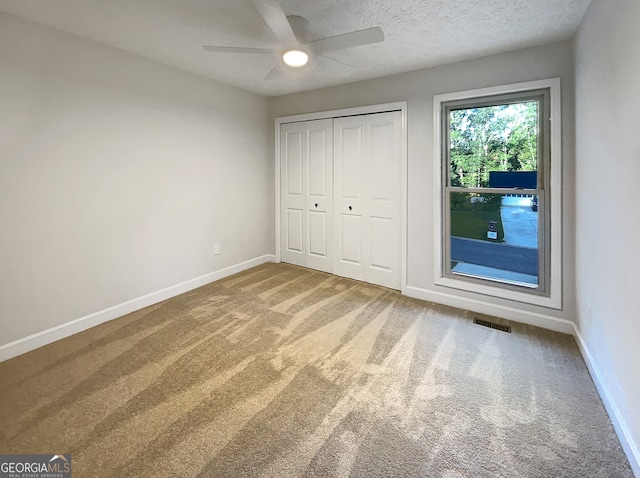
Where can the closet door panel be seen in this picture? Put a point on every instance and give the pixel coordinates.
(367, 182)
(383, 151)
(381, 231)
(294, 164)
(351, 158)
(306, 163)
(318, 233)
(350, 240)
(319, 191)
(348, 163)
(294, 228)
(292, 194)
(319, 149)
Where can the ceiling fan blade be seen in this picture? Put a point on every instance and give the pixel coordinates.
(332, 65)
(346, 40)
(277, 72)
(273, 14)
(236, 49)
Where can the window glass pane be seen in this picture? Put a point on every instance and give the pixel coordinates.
(494, 146)
(495, 236)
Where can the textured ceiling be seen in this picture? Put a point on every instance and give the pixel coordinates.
(418, 33)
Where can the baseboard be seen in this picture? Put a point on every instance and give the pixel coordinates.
(629, 446)
(504, 312)
(26, 344)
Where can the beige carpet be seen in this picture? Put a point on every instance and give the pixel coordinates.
(281, 371)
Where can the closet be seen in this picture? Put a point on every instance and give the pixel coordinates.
(340, 196)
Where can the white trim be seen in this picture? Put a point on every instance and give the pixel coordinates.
(404, 200)
(32, 342)
(629, 446)
(517, 315)
(360, 110)
(555, 193)
(278, 243)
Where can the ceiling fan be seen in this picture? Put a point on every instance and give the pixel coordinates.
(296, 54)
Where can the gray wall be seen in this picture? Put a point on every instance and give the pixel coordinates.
(117, 176)
(607, 217)
(418, 88)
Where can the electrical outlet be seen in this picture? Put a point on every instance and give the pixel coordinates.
(589, 312)
(216, 248)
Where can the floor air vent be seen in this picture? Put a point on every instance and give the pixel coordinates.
(491, 325)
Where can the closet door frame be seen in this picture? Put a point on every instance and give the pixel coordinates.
(363, 110)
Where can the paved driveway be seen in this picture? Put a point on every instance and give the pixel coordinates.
(520, 226)
(496, 255)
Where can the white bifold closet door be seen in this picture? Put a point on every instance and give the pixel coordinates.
(367, 162)
(340, 196)
(306, 168)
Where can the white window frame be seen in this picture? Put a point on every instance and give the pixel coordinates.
(495, 289)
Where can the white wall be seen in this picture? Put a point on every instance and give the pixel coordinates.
(418, 88)
(608, 203)
(117, 176)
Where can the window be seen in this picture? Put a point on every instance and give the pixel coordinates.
(498, 226)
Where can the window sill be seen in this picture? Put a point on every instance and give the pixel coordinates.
(552, 302)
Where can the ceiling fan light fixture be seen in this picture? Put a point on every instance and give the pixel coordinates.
(295, 58)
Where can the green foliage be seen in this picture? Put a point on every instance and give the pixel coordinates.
(494, 138)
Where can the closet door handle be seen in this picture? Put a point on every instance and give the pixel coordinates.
(349, 208)
(316, 204)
